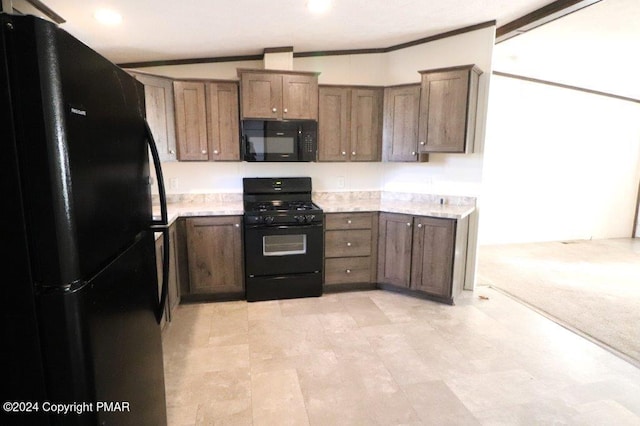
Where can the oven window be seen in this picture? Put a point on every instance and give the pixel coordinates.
(260, 145)
(284, 245)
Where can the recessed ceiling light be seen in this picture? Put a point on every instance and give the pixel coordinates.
(107, 17)
(319, 6)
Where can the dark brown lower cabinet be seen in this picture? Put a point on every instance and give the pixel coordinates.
(214, 250)
(394, 249)
(423, 254)
(350, 250)
(173, 295)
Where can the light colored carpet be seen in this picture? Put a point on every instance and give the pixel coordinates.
(591, 286)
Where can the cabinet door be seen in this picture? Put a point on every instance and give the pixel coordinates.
(400, 129)
(223, 128)
(158, 94)
(394, 249)
(299, 97)
(191, 120)
(443, 111)
(432, 263)
(333, 124)
(174, 277)
(215, 255)
(261, 95)
(159, 251)
(366, 124)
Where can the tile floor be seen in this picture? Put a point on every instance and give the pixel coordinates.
(381, 358)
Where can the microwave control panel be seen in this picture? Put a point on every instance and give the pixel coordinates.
(307, 142)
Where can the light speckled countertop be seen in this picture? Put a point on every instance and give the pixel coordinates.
(396, 206)
(331, 202)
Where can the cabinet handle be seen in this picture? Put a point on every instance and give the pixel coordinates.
(348, 271)
(349, 221)
(215, 151)
(353, 153)
(204, 151)
(344, 153)
(348, 244)
(172, 151)
(274, 109)
(408, 223)
(237, 225)
(419, 225)
(413, 153)
(421, 142)
(285, 111)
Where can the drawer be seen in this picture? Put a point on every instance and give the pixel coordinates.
(349, 220)
(348, 243)
(347, 270)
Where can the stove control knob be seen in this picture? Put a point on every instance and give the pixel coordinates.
(310, 217)
(268, 219)
(299, 219)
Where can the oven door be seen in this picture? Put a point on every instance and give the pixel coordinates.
(283, 250)
(270, 141)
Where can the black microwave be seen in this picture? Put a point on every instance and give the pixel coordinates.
(289, 140)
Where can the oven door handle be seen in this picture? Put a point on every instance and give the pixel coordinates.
(308, 226)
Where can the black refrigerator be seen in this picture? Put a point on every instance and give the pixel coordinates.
(80, 300)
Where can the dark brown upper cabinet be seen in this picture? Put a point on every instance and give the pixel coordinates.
(448, 104)
(350, 123)
(158, 94)
(400, 127)
(207, 123)
(278, 95)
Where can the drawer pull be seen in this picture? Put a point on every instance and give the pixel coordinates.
(348, 244)
(348, 271)
(408, 223)
(419, 225)
(349, 221)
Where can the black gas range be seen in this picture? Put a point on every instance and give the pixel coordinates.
(283, 239)
(279, 212)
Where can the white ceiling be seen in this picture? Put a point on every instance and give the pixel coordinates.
(597, 48)
(168, 29)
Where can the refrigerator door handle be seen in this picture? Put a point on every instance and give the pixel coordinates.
(162, 224)
(164, 217)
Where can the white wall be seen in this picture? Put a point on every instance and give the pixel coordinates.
(209, 177)
(637, 233)
(368, 69)
(559, 164)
